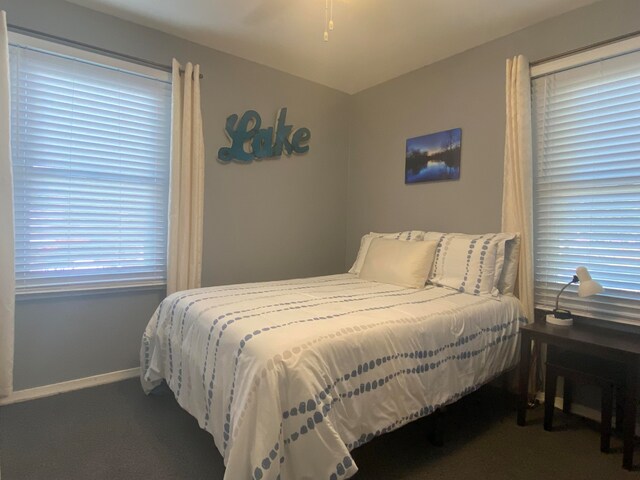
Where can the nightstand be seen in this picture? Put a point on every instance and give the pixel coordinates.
(576, 367)
(603, 343)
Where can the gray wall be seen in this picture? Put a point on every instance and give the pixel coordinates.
(465, 91)
(277, 219)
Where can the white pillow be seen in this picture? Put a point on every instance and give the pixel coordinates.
(507, 280)
(398, 262)
(409, 235)
(470, 263)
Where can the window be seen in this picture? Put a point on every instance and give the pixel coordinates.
(586, 117)
(90, 143)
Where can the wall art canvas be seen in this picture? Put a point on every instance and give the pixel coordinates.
(433, 157)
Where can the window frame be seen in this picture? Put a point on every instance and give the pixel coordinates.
(62, 50)
(615, 48)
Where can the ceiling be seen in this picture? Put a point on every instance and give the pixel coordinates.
(373, 40)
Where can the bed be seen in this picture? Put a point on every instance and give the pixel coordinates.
(290, 376)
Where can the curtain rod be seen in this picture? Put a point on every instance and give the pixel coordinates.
(585, 48)
(91, 48)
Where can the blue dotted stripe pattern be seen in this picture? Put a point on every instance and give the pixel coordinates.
(257, 312)
(269, 460)
(472, 245)
(172, 302)
(324, 401)
(483, 256)
(409, 234)
(364, 367)
(146, 354)
(342, 468)
(281, 292)
(194, 302)
(356, 329)
(339, 332)
(370, 386)
(256, 333)
(371, 365)
(472, 251)
(437, 258)
(206, 294)
(427, 410)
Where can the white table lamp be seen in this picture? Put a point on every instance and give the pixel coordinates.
(588, 286)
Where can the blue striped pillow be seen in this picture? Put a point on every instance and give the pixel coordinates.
(470, 263)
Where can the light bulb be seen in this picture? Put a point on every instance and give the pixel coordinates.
(331, 17)
(326, 36)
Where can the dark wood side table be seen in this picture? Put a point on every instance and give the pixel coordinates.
(599, 342)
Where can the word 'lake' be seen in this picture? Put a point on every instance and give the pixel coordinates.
(261, 142)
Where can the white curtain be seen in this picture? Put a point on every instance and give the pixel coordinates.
(517, 193)
(517, 201)
(186, 191)
(7, 274)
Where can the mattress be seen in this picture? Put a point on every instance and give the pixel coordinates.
(290, 376)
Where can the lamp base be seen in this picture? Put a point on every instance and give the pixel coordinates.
(563, 322)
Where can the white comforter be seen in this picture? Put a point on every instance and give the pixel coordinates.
(290, 376)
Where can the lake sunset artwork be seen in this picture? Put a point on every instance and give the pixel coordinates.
(433, 157)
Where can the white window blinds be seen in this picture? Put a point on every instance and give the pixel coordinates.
(587, 185)
(90, 146)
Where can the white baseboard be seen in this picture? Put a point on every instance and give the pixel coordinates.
(581, 410)
(69, 386)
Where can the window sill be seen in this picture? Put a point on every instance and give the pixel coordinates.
(58, 292)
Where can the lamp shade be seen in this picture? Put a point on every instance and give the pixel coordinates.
(588, 286)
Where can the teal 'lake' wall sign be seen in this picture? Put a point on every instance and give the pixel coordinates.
(262, 142)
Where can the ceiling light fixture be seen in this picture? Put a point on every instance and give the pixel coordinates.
(328, 18)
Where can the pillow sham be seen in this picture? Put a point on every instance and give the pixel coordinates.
(409, 235)
(507, 281)
(433, 237)
(470, 263)
(398, 262)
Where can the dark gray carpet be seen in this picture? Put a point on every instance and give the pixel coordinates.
(116, 432)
